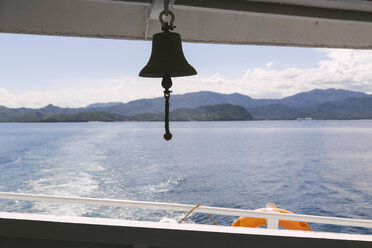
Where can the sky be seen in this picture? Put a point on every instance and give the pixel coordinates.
(73, 72)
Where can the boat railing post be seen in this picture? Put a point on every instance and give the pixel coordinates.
(271, 222)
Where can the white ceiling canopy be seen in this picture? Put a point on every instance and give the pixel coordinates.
(316, 23)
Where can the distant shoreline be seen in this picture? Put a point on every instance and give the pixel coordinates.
(330, 104)
(158, 121)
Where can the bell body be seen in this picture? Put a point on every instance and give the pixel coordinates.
(167, 57)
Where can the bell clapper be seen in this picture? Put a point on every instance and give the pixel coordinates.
(167, 84)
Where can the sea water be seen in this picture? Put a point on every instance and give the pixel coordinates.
(307, 167)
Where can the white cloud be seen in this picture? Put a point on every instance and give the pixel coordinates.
(123, 90)
(346, 69)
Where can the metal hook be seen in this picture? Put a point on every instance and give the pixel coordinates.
(165, 24)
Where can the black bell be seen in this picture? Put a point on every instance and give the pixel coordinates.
(167, 61)
(167, 57)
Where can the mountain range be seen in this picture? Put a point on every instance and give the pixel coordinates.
(317, 104)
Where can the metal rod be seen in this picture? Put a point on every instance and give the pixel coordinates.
(166, 7)
(186, 207)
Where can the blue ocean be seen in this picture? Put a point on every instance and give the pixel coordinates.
(307, 167)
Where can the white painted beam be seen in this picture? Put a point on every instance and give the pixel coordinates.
(195, 23)
(73, 18)
(357, 5)
(256, 29)
(294, 8)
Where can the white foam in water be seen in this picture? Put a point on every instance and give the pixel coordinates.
(71, 184)
(71, 175)
(163, 187)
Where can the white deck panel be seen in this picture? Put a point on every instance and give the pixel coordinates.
(184, 227)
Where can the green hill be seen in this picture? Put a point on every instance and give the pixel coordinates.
(220, 112)
(85, 117)
(78, 117)
(350, 108)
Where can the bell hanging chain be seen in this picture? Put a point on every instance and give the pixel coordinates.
(167, 84)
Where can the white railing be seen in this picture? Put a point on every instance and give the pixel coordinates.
(186, 208)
